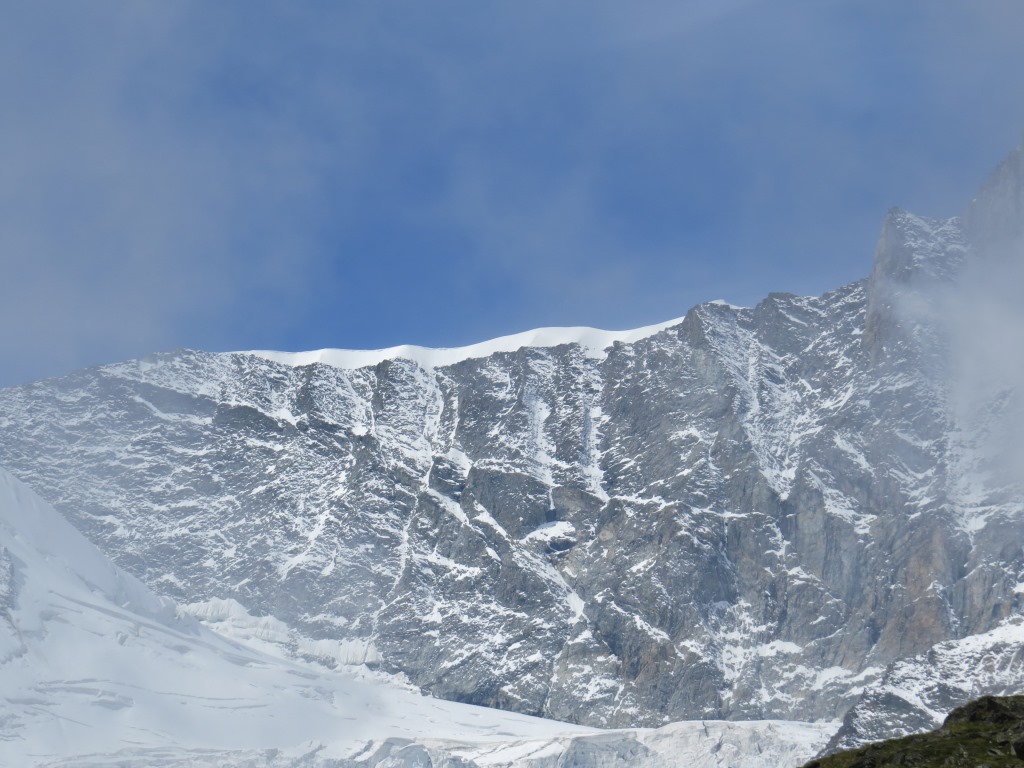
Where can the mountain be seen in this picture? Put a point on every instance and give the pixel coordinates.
(749, 513)
(97, 670)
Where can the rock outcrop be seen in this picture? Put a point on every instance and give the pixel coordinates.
(987, 732)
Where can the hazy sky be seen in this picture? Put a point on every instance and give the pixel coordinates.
(239, 175)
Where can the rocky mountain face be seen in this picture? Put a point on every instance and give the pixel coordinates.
(98, 671)
(754, 513)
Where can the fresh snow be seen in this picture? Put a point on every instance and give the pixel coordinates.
(593, 341)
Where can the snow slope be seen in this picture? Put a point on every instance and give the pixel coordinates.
(97, 670)
(593, 341)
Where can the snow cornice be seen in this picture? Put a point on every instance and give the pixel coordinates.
(593, 341)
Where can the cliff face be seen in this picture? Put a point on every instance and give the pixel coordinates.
(750, 514)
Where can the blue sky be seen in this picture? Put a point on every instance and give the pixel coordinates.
(329, 174)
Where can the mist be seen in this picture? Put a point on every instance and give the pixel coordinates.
(970, 323)
(985, 318)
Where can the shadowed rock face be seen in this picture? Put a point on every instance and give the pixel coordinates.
(751, 514)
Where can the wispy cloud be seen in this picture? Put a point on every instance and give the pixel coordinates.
(300, 176)
(150, 194)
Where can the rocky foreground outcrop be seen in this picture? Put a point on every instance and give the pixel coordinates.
(988, 732)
